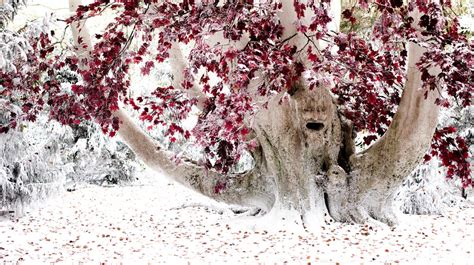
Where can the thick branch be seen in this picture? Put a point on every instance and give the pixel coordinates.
(335, 14)
(240, 189)
(402, 147)
(178, 64)
(79, 30)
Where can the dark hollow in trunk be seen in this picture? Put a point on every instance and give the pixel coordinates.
(316, 126)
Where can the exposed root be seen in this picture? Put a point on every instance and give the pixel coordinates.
(218, 210)
(248, 211)
(387, 216)
(279, 219)
(362, 214)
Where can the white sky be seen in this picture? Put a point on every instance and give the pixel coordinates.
(37, 9)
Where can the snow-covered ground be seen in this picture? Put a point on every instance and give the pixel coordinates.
(160, 222)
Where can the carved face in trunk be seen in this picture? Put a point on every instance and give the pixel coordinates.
(315, 111)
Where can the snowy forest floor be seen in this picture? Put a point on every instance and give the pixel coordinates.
(160, 222)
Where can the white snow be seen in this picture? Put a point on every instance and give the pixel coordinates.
(160, 222)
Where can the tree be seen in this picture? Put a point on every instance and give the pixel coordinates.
(280, 80)
(38, 160)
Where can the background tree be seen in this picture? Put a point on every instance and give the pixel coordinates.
(41, 159)
(278, 79)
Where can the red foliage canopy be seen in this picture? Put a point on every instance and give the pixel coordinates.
(367, 74)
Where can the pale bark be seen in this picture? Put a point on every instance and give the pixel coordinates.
(336, 11)
(79, 30)
(409, 135)
(178, 65)
(245, 189)
(378, 171)
(294, 157)
(410, 132)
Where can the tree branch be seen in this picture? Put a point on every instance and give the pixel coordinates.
(335, 14)
(178, 65)
(402, 147)
(79, 30)
(243, 189)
